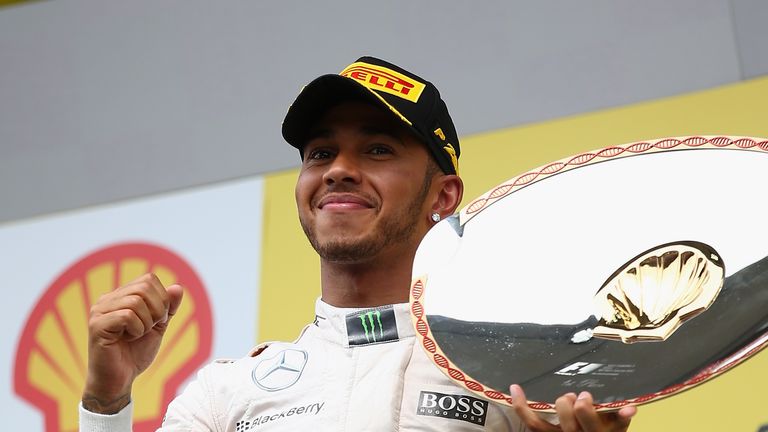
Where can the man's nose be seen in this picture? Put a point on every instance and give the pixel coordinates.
(344, 168)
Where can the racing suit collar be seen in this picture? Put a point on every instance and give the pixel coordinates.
(352, 327)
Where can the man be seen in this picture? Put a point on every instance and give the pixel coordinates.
(379, 169)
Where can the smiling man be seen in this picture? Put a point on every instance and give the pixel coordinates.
(379, 169)
(361, 196)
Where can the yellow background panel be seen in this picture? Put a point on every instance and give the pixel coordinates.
(290, 270)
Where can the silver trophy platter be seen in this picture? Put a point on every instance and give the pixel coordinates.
(634, 272)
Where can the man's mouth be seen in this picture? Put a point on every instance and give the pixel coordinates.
(344, 201)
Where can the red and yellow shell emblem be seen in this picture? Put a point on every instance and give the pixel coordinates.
(51, 360)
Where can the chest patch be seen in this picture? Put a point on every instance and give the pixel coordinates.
(280, 371)
(457, 407)
(371, 326)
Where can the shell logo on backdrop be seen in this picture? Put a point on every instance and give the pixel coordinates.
(51, 358)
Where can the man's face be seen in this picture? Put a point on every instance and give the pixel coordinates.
(363, 185)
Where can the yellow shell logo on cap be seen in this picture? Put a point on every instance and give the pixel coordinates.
(51, 359)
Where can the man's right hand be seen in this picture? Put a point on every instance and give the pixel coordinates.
(125, 329)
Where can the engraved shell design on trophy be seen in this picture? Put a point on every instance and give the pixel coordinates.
(651, 296)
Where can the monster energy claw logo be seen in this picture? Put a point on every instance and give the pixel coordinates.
(370, 335)
(372, 326)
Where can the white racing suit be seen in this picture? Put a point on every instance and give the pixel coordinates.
(351, 370)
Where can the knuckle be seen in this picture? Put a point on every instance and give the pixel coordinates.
(94, 321)
(93, 312)
(144, 287)
(148, 277)
(101, 300)
(125, 315)
(134, 302)
(163, 296)
(131, 320)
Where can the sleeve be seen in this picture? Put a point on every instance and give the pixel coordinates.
(191, 411)
(93, 422)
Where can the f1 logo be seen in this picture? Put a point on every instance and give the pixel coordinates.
(579, 368)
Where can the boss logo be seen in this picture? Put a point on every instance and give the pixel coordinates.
(457, 407)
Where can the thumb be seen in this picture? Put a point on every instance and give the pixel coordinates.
(175, 293)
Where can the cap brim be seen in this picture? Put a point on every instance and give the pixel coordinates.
(316, 98)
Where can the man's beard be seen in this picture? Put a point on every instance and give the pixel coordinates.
(397, 229)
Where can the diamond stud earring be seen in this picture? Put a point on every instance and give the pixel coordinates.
(436, 217)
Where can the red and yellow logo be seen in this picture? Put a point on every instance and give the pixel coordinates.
(51, 359)
(385, 80)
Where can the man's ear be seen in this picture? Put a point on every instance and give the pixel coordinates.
(450, 193)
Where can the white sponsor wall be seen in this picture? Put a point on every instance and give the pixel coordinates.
(215, 229)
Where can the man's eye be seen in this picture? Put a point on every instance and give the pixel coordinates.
(319, 154)
(380, 150)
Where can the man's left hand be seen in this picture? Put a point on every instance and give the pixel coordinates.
(576, 414)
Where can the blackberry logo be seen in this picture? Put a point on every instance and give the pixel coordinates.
(247, 425)
(456, 407)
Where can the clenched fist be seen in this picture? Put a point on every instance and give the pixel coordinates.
(125, 329)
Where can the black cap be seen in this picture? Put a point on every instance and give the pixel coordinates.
(411, 99)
